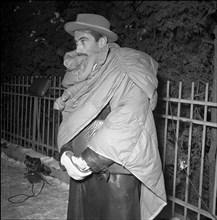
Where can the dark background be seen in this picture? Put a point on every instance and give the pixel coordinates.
(177, 34)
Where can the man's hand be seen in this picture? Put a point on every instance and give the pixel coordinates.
(76, 167)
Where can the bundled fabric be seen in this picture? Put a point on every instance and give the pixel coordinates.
(126, 80)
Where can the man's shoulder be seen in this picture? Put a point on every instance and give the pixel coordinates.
(115, 48)
(130, 53)
(132, 57)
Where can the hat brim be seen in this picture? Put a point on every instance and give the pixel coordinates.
(70, 27)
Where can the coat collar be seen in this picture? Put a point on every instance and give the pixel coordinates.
(102, 56)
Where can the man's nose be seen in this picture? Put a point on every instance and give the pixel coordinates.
(79, 48)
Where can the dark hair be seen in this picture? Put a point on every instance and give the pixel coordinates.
(95, 34)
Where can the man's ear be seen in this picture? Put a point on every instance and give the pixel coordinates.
(103, 41)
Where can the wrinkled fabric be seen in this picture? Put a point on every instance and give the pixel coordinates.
(113, 65)
(127, 81)
(78, 82)
(78, 75)
(81, 67)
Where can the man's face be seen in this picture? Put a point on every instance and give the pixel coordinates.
(86, 43)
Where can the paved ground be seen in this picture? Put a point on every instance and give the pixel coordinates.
(51, 203)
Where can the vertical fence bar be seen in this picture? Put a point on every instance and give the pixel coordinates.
(10, 110)
(15, 107)
(176, 140)
(13, 104)
(48, 123)
(7, 111)
(53, 116)
(18, 110)
(38, 118)
(189, 149)
(43, 120)
(2, 112)
(215, 190)
(202, 151)
(22, 109)
(31, 124)
(35, 113)
(30, 121)
(11, 113)
(25, 112)
(166, 125)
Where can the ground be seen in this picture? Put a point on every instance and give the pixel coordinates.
(50, 204)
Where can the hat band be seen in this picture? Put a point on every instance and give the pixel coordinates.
(94, 26)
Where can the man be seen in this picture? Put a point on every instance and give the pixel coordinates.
(107, 139)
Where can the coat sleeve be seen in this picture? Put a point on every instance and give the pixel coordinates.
(95, 161)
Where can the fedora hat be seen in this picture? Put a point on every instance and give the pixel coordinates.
(92, 22)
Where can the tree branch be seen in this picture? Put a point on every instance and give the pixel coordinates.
(208, 41)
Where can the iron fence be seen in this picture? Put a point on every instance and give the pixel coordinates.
(187, 133)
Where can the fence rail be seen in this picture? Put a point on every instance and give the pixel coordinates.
(29, 120)
(186, 129)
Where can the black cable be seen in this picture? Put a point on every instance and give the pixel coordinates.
(32, 177)
(27, 196)
(44, 179)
